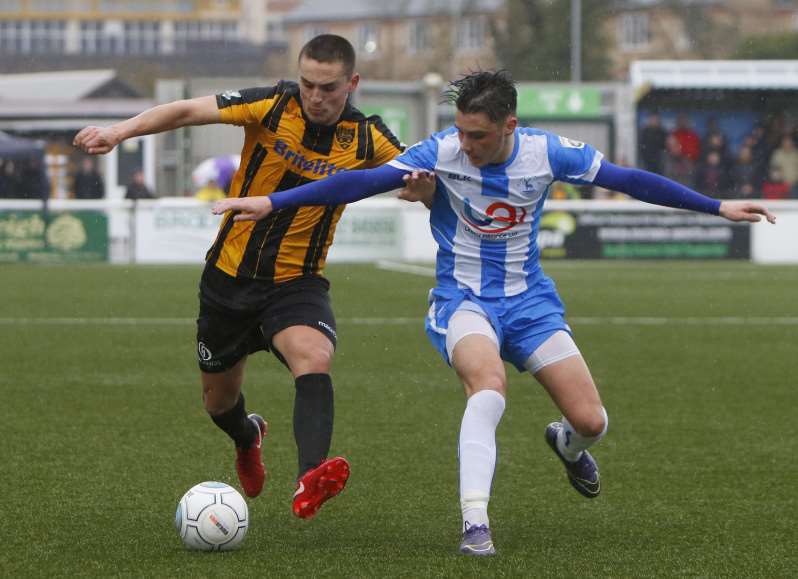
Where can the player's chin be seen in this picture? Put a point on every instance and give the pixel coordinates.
(319, 119)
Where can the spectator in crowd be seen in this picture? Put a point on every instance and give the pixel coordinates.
(137, 189)
(775, 186)
(652, 144)
(6, 189)
(785, 159)
(677, 166)
(712, 176)
(689, 145)
(760, 152)
(33, 181)
(715, 142)
(744, 174)
(88, 183)
(210, 192)
(688, 139)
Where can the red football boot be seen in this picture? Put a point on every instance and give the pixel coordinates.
(318, 485)
(249, 464)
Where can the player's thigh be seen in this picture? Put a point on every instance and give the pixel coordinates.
(304, 349)
(225, 335)
(473, 348)
(299, 326)
(568, 381)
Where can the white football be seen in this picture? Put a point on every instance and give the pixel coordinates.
(212, 516)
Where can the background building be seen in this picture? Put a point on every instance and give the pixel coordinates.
(156, 39)
(403, 40)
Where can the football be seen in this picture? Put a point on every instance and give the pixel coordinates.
(212, 516)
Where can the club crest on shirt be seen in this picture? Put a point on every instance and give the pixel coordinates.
(345, 136)
(571, 143)
(529, 184)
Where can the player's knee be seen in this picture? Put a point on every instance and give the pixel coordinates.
(590, 422)
(218, 400)
(311, 360)
(485, 380)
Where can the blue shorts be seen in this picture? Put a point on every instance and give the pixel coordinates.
(521, 322)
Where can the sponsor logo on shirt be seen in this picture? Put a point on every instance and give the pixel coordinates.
(317, 166)
(499, 217)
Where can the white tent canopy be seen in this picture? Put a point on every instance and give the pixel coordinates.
(708, 74)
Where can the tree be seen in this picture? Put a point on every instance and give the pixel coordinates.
(534, 42)
(782, 46)
(711, 33)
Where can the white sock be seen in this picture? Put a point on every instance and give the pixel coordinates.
(477, 453)
(571, 444)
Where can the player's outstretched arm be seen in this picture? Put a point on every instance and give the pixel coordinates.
(183, 113)
(745, 211)
(419, 186)
(343, 187)
(659, 190)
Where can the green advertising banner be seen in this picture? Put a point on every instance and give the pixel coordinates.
(56, 237)
(396, 117)
(560, 101)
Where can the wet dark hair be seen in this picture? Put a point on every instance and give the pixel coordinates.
(330, 48)
(491, 93)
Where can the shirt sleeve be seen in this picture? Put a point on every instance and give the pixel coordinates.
(572, 161)
(423, 155)
(246, 106)
(342, 187)
(653, 188)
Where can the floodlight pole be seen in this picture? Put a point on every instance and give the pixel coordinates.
(576, 41)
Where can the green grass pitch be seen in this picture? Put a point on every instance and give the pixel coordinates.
(103, 430)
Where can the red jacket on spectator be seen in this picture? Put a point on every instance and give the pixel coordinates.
(689, 142)
(775, 190)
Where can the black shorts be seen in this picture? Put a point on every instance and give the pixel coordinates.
(241, 316)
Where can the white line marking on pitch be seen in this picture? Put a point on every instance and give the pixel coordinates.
(398, 321)
(406, 268)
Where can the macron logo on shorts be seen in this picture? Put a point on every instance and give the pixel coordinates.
(327, 327)
(203, 352)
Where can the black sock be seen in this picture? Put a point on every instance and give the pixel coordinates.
(236, 424)
(313, 419)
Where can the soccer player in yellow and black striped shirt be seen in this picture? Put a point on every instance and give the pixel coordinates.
(262, 287)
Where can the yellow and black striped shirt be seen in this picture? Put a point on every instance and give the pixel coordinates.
(283, 149)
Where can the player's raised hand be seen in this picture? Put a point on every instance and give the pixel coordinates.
(96, 140)
(745, 211)
(249, 208)
(419, 186)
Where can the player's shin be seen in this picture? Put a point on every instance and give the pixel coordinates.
(313, 419)
(571, 444)
(236, 424)
(477, 455)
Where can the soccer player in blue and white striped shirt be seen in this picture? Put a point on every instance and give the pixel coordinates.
(488, 179)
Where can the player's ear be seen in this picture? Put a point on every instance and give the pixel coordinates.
(510, 124)
(353, 82)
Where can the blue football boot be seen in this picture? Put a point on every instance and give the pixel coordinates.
(582, 473)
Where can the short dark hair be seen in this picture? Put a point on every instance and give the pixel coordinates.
(492, 93)
(330, 48)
